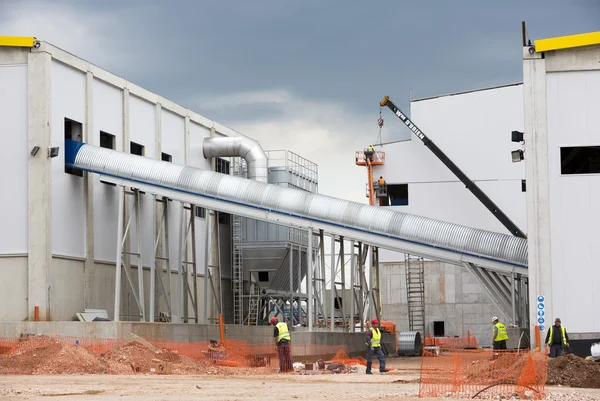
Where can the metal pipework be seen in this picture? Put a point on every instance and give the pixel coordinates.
(239, 146)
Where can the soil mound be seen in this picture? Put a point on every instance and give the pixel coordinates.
(573, 371)
(47, 356)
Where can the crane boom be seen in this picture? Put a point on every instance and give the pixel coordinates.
(471, 186)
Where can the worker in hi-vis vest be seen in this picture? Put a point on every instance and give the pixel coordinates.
(557, 339)
(283, 339)
(500, 335)
(374, 344)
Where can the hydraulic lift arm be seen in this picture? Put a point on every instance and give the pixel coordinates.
(471, 186)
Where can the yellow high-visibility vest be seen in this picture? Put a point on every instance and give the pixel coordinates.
(501, 332)
(564, 338)
(376, 339)
(284, 333)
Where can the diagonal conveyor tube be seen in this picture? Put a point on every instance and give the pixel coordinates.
(378, 226)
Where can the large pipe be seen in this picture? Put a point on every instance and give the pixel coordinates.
(239, 146)
(312, 208)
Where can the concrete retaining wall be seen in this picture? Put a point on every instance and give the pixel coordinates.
(190, 332)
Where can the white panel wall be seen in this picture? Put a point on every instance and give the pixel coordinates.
(13, 139)
(142, 131)
(474, 130)
(574, 120)
(196, 159)
(197, 135)
(68, 209)
(172, 142)
(108, 117)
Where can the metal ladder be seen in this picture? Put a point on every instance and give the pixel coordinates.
(415, 292)
(253, 304)
(237, 255)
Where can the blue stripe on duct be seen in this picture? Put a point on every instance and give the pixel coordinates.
(71, 150)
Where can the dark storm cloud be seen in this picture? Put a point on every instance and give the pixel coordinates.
(311, 67)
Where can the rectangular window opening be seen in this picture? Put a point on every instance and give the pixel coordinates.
(263, 276)
(580, 160)
(166, 157)
(397, 195)
(222, 166)
(338, 303)
(200, 212)
(523, 186)
(74, 132)
(438, 329)
(136, 149)
(107, 141)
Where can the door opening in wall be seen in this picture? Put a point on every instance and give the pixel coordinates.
(438, 329)
(397, 195)
(74, 132)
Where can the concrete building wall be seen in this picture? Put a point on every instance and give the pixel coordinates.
(108, 118)
(13, 288)
(452, 296)
(68, 208)
(70, 244)
(573, 120)
(13, 125)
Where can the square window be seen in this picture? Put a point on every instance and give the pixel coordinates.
(166, 157)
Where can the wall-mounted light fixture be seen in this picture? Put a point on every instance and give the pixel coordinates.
(517, 155)
(53, 151)
(34, 150)
(517, 136)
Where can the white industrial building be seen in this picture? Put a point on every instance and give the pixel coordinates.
(549, 195)
(474, 130)
(64, 227)
(58, 240)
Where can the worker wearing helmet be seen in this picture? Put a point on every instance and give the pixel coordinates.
(282, 338)
(374, 344)
(369, 153)
(500, 335)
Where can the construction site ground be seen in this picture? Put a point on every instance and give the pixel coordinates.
(401, 383)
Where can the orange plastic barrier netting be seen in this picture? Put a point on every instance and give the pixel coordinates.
(41, 354)
(468, 373)
(468, 342)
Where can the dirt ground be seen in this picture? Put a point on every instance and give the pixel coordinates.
(402, 383)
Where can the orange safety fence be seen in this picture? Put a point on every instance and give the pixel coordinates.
(471, 373)
(468, 342)
(38, 354)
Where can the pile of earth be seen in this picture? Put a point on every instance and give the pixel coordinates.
(571, 370)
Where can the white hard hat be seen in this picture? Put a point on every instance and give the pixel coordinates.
(494, 318)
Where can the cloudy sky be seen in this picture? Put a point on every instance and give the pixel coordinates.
(303, 75)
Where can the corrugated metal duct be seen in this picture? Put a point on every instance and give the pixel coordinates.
(239, 146)
(386, 224)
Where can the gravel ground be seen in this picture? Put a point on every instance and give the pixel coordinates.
(398, 384)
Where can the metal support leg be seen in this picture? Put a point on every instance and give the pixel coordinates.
(309, 280)
(343, 281)
(323, 286)
(206, 267)
(352, 292)
(291, 267)
(333, 274)
(121, 211)
(139, 256)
